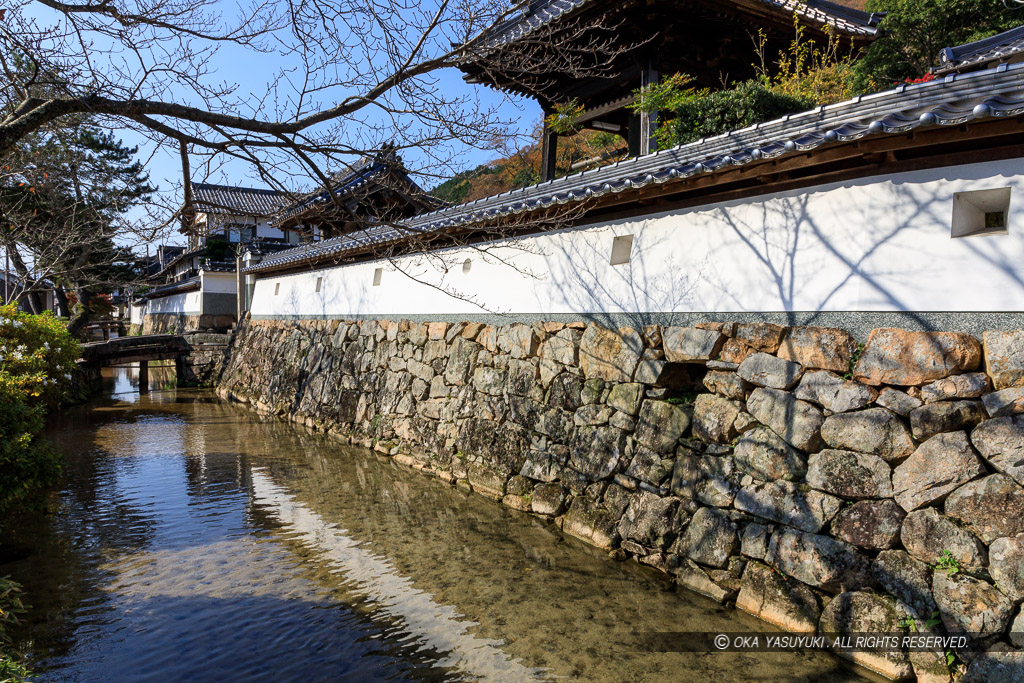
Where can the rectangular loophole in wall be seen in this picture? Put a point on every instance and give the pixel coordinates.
(277, 289)
(377, 274)
(981, 212)
(621, 248)
(319, 281)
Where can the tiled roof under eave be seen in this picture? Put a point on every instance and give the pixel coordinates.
(998, 47)
(174, 288)
(953, 100)
(543, 12)
(245, 201)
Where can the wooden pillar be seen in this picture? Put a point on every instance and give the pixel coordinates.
(548, 153)
(106, 332)
(640, 137)
(143, 376)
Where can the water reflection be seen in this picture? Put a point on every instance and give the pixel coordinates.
(196, 540)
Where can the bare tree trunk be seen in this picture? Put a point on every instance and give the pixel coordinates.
(35, 304)
(60, 299)
(81, 314)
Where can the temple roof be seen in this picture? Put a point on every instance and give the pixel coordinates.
(543, 12)
(947, 104)
(384, 171)
(979, 54)
(243, 201)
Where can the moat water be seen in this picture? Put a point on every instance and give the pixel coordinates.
(194, 540)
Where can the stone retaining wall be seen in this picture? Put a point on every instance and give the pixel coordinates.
(170, 323)
(820, 484)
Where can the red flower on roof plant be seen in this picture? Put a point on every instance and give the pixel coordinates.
(923, 79)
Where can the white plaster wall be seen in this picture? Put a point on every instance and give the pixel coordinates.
(264, 229)
(874, 244)
(218, 283)
(137, 313)
(185, 303)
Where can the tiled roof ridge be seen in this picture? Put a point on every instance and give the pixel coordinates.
(543, 12)
(995, 92)
(994, 47)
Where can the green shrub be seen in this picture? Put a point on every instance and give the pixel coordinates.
(37, 362)
(686, 115)
(11, 666)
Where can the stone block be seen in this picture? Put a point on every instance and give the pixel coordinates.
(610, 355)
(926, 534)
(709, 539)
(906, 578)
(946, 416)
(660, 425)
(797, 422)
(649, 466)
(1004, 358)
(595, 451)
(1001, 443)
(825, 348)
(860, 612)
(992, 507)
(967, 385)
(590, 522)
(487, 481)
(996, 666)
(875, 431)
(834, 393)
(1006, 564)
(754, 540)
(849, 474)
(765, 337)
(734, 351)
(872, 524)
(762, 454)
(690, 344)
(626, 397)
(765, 370)
(691, 577)
(908, 358)
(727, 384)
(971, 606)
(786, 503)
(650, 520)
(897, 401)
(772, 597)
(1004, 402)
(563, 347)
(714, 418)
(817, 560)
(935, 469)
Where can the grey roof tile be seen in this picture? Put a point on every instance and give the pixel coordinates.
(1000, 47)
(245, 201)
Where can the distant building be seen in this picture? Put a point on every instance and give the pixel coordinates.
(12, 289)
(198, 287)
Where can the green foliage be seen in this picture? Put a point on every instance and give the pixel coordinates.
(565, 120)
(37, 358)
(217, 250)
(687, 115)
(917, 30)
(948, 563)
(11, 666)
(810, 71)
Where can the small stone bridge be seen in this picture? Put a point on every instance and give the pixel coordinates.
(197, 356)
